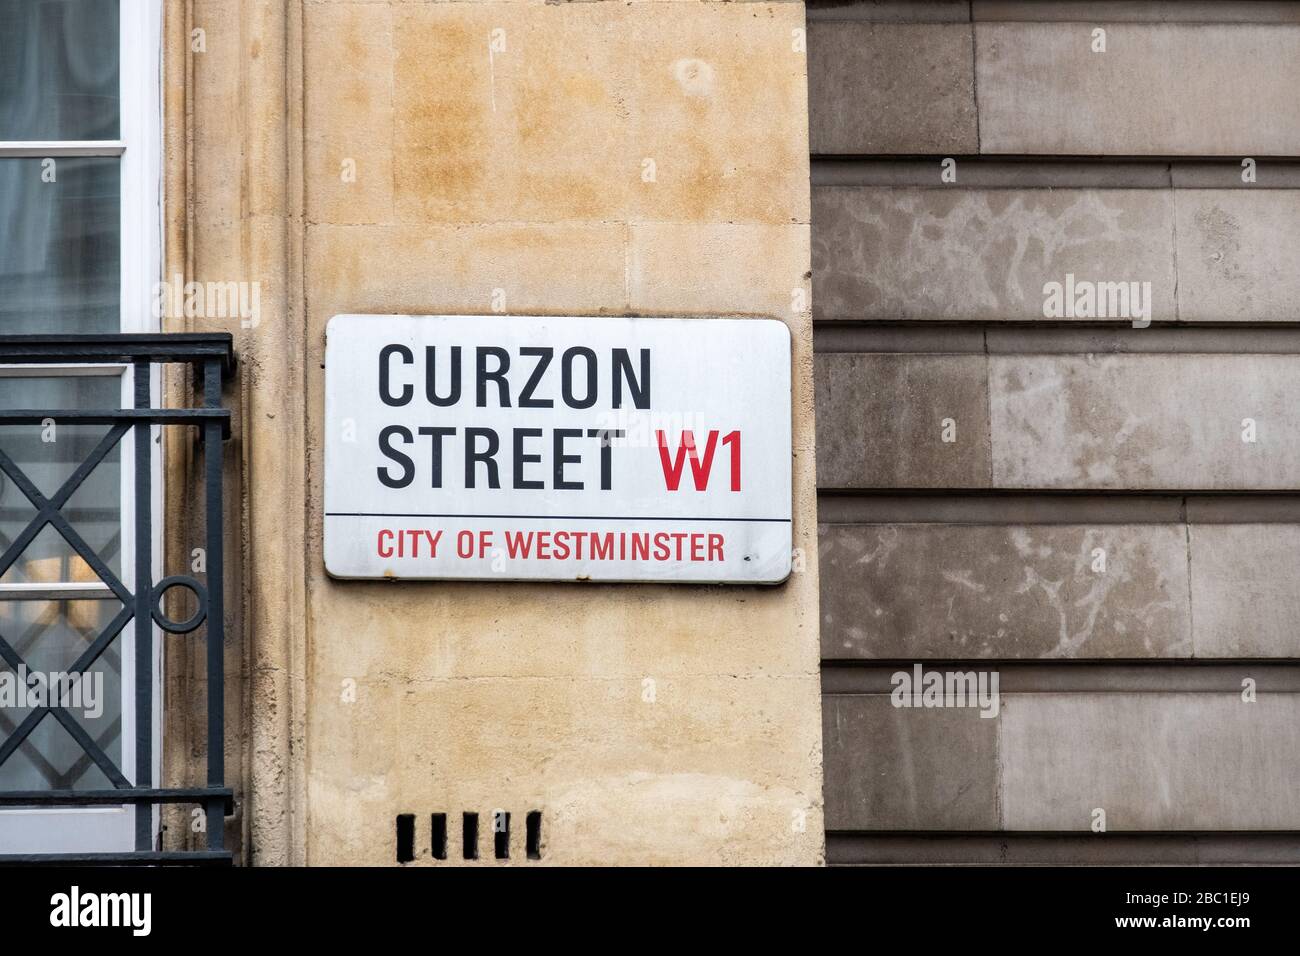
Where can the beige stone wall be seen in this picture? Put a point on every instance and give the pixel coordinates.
(518, 169)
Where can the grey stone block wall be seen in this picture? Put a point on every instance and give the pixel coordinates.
(891, 88)
(908, 769)
(1103, 508)
(940, 591)
(1087, 421)
(1047, 762)
(1161, 89)
(1137, 422)
(1006, 86)
(881, 421)
(1236, 252)
(928, 252)
(1151, 761)
(931, 253)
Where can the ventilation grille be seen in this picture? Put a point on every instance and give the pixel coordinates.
(500, 828)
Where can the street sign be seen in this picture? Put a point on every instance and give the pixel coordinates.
(551, 448)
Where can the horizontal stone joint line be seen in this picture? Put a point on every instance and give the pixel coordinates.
(843, 506)
(1006, 171)
(1051, 337)
(1151, 676)
(1168, 12)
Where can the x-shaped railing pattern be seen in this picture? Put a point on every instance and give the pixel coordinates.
(213, 360)
(29, 639)
(48, 513)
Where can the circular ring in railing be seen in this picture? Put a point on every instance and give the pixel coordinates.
(190, 584)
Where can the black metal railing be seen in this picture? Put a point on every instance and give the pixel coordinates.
(213, 359)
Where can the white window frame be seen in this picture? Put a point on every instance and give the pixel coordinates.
(139, 147)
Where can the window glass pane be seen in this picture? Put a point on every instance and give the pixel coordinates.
(59, 251)
(48, 457)
(50, 760)
(58, 69)
(49, 636)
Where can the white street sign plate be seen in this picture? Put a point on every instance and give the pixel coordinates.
(549, 448)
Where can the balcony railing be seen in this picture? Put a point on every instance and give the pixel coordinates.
(212, 357)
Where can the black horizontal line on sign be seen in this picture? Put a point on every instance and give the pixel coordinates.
(410, 514)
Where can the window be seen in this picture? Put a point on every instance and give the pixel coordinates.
(80, 253)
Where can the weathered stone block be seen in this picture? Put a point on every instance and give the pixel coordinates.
(891, 88)
(496, 119)
(1244, 596)
(1237, 254)
(348, 53)
(708, 268)
(428, 269)
(348, 182)
(697, 85)
(1158, 89)
(914, 253)
(909, 769)
(882, 420)
(217, 71)
(1215, 422)
(716, 757)
(1151, 761)
(626, 633)
(914, 591)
